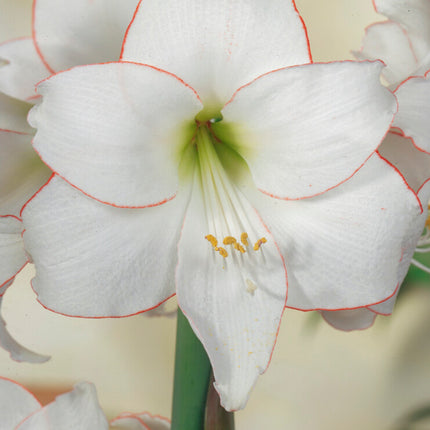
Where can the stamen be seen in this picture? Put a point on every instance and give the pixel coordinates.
(259, 243)
(421, 266)
(244, 238)
(212, 240)
(239, 247)
(229, 240)
(222, 252)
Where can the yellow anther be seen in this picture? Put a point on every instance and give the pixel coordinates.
(239, 247)
(223, 252)
(212, 240)
(244, 238)
(229, 240)
(259, 243)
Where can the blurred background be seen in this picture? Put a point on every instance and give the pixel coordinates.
(319, 378)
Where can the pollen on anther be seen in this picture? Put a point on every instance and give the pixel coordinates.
(229, 240)
(223, 252)
(259, 243)
(239, 247)
(212, 240)
(244, 238)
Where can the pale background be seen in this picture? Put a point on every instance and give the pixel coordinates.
(319, 378)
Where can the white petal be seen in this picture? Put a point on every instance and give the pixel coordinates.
(13, 114)
(348, 320)
(342, 249)
(408, 249)
(143, 421)
(16, 403)
(424, 193)
(78, 410)
(389, 42)
(414, 16)
(69, 33)
(12, 254)
(23, 69)
(234, 304)
(22, 173)
(122, 146)
(217, 46)
(386, 307)
(304, 130)
(414, 111)
(17, 351)
(412, 163)
(96, 260)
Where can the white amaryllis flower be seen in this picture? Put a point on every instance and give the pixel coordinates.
(78, 410)
(65, 34)
(228, 174)
(402, 42)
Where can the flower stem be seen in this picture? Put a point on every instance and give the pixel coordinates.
(192, 374)
(217, 418)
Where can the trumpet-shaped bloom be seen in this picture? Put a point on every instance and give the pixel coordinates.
(212, 162)
(78, 410)
(65, 34)
(402, 42)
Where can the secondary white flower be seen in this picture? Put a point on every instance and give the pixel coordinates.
(65, 34)
(231, 176)
(78, 410)
(402, 42)
(414, 165)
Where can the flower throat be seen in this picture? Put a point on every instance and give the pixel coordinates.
(225, 213)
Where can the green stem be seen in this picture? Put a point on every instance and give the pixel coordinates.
(192, 373)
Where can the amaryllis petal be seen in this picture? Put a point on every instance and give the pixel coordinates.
(21, 171)
(69, 33)
(97, 260)
(304, 130)
(22, 69)
(12, 260)
(144, 421)
(115, 130)
(348, 320)
(16, 350)
(414, 111)
(413, 164)
(343, 249)
(12, 255)
(13, 114)
(386, 307)
(16, 403)
(217, 46)
(389, 42)
(78, 410)
(414, 16)
(233, 291)
(410, 242)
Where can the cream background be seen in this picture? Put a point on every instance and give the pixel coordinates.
(319, 378)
